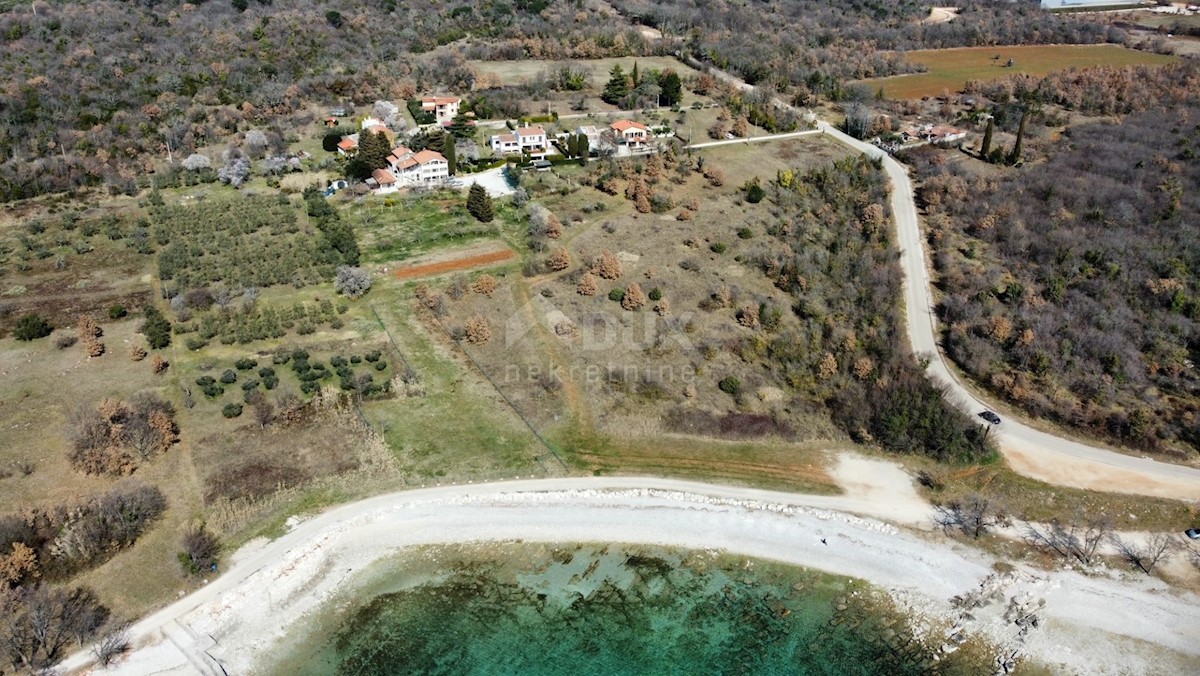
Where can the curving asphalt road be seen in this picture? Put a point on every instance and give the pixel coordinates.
(1029, 451)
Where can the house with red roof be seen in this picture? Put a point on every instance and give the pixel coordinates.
(630, 133)
(530, 140)
(408, 168)
(444, 108)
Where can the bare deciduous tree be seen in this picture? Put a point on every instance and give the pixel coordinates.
(1079, 539)
(1158, 549)
(972, 515)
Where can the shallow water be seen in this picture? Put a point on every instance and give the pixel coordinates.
(613, 610)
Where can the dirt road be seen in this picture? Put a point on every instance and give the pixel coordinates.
(274, 587)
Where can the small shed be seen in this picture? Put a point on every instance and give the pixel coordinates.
(542, 165)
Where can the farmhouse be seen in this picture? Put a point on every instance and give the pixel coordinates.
(444, 108)
(530, 140)
(632, 134)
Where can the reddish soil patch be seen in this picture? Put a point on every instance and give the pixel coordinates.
(455, 264)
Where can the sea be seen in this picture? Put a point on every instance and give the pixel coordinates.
(604, 609)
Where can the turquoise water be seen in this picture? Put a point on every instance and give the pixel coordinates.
(610, 610)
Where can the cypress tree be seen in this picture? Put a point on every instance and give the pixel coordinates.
(672, 87)
(634, 76)
(479, 204)
(1015, 155)
(584, 149)
(987, 138)
(448, 153)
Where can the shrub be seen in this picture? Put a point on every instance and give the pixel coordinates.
(200, 549)
(213, 391)
(607, 265)
(587, 285)
(194, 343)
(730, 385)
(156, 328)
(745, 233)
(64, 340)
(280, 358)
(380, 365)
(655, 294)
(351, 281)
(270, 382)
(159, 364)
(755, 192)
(245, 364)
(231, 410)
(485, 284)
(248, 385)
(338, 362)
(205, 381)
(477, 330)
(372, 356)
(117, 312)
(266, 372)
(634, 298)
(717, 247)
(617, 295)
(137, 352)
(31, 327)
(559, 260)
(229, 377)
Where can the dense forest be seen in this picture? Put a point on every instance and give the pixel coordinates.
(91, 89)
(1071, 286)
(812, 48)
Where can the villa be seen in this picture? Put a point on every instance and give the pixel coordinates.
(444, 108)
(531, 140)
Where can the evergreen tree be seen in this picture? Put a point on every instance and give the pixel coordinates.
(636, 79)
(32, 327)
(479, 203)
(449, 154)
(671, 86)
(1015, 155)
(156, 328)
(373, 149)
(584, 149)
(617, 87)
(987, 138)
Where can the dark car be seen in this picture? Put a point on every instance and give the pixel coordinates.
(990, 417)
(1193, 533)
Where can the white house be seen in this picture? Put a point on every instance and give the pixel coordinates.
(444, 108)
(630, 133)
(421, 168)
(530, 140)
(600, 140)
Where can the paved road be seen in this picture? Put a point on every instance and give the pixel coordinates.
(1029, 451)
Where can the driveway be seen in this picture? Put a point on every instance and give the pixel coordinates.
(494, 181)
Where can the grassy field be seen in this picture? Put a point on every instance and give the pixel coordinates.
(516, 72)
(950, 69)
(398, 227)
(1156, 20)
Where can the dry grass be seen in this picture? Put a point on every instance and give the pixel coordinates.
(763, 160)
(518, 72)
(950, 69)
(1039, 501)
